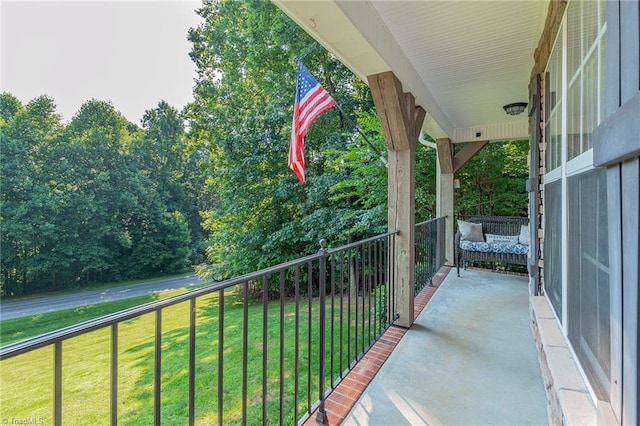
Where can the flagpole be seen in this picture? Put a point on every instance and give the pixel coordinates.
(310, 102)
(384, 160)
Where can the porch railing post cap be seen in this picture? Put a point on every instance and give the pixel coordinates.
(323, 244)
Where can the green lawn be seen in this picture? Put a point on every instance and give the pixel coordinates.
(100, 286)
(13, 330)
(27, 380)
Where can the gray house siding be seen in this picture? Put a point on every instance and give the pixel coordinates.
(617, 147)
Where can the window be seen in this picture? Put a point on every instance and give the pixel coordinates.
(553, 245)
(575, 75)
(585, 29)
(576, 264)
(588, 277)
(553, 108)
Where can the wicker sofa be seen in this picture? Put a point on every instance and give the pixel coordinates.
(503, 239)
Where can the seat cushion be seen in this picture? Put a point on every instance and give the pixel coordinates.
(494, 247)
(493, 239)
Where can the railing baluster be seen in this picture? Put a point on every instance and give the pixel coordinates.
(356, 279)
(363, 286)
(392, 279)
(245, 350)
(333, 314)
(192, 362)
(296, 361)
(309, 335)
(342, 368)
(383, 285)
(281, 362)
(114, 374)
(432, 250)
(265, 300)
(322, 290)
(57, 383)
(424, 255)
(376, 286)
(221, 357)
(157, 371)
(428, 246)
(365, 297)
(369, 290)
(388, 278)
(420, 259)
(349, 292)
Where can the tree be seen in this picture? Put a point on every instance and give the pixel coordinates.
(493, 181)
(364, 188)
(245, 54)
(26, 135)
(173, 164)
(95, 200)
(94, 186)
(9, 107)
(161, 151)
(161, 246)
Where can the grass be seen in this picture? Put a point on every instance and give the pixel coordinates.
(100, 286)
(13, 330)
(290, 333)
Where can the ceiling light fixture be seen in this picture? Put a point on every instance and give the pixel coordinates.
(515, 108)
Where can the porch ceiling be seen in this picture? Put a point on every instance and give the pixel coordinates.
(462, 60)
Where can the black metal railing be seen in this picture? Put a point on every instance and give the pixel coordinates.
(266, 347)
(430, 251)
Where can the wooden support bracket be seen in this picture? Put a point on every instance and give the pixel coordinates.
(399, 116)
(466, 153)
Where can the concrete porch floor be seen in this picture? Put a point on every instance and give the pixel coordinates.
(469, 359)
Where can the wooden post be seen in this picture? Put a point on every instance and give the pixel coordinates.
(401, 216)
(444, 195)
(401, 122)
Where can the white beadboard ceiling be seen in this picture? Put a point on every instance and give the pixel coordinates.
(462, 59)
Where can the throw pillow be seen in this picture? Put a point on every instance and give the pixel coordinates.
(470, 231)
(523, 238)
(509, 239)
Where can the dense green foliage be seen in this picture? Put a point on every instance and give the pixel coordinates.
(246, 56)
(243, 110)
(494, 181)
(100, 198)
(96, 199)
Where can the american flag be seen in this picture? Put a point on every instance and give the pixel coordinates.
(311, 101)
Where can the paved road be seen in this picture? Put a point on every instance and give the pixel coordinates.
(20, 308)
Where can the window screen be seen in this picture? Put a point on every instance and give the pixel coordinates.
(553, 245)
(588, 276)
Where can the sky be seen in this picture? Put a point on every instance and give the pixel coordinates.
(132, 53)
